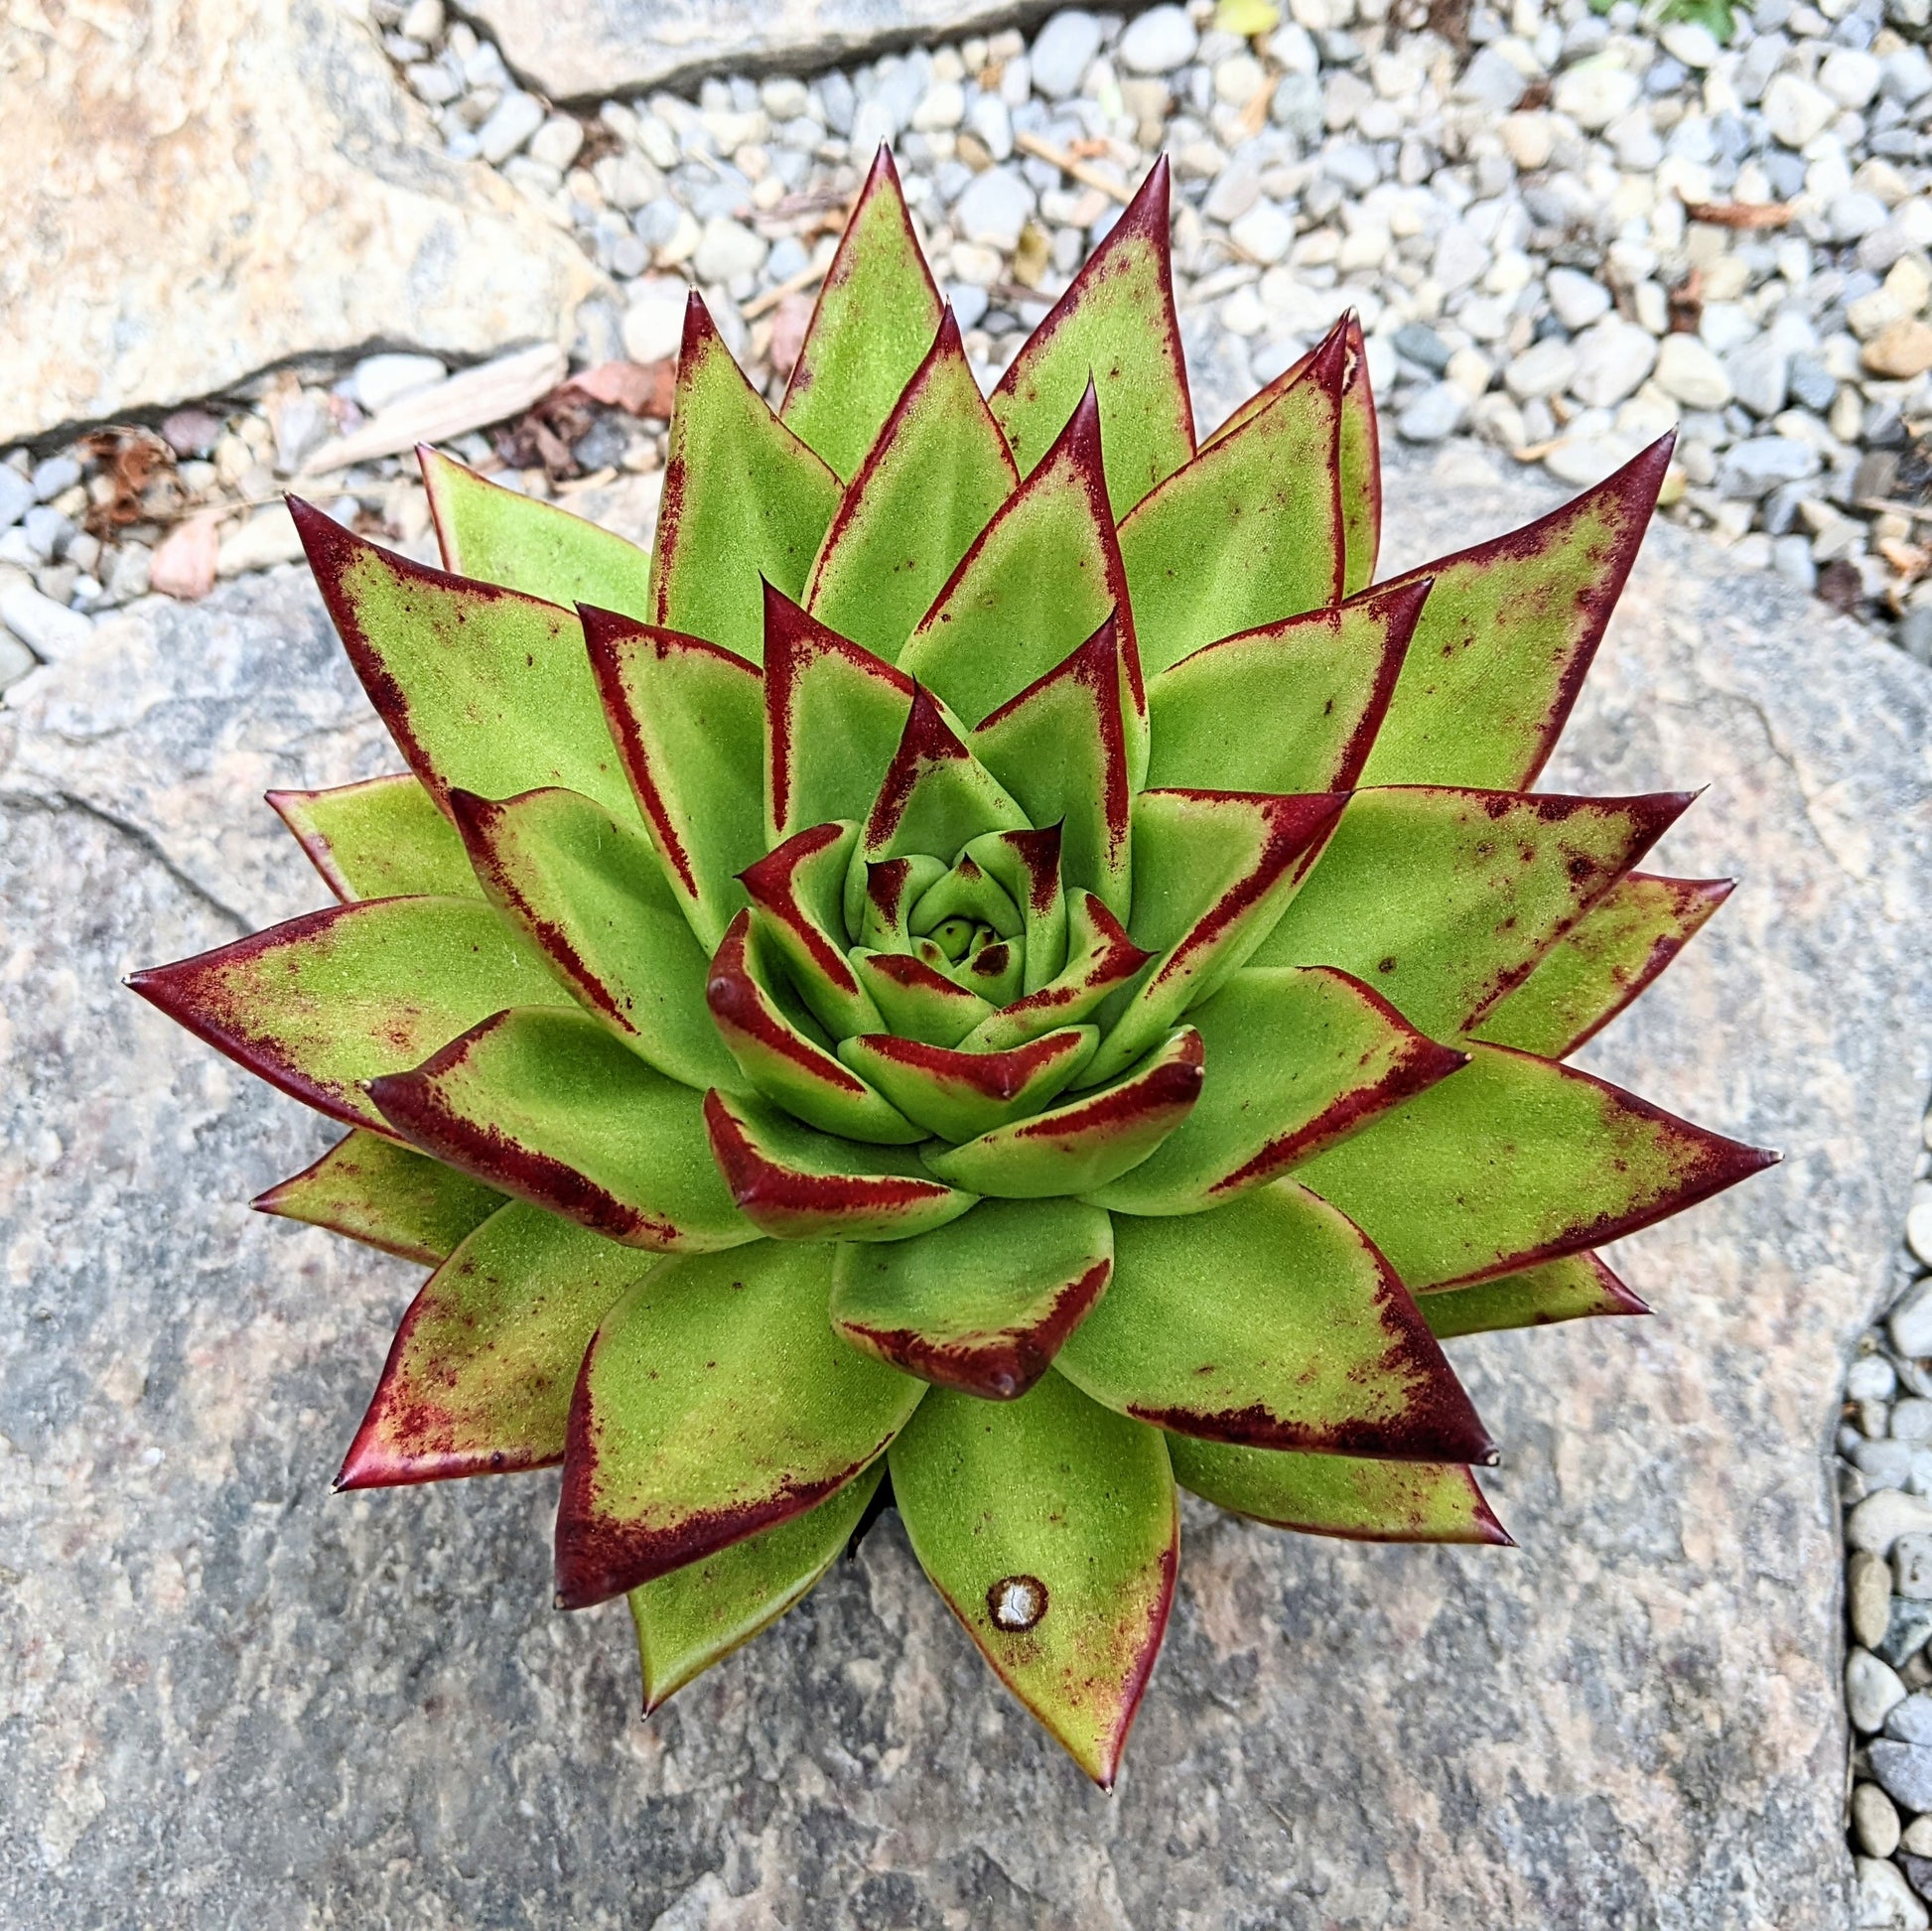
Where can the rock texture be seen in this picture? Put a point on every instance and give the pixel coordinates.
(232, 1698)
(202, 189)
(611, 47)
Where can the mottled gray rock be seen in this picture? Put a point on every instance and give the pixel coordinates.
(1905, 1769)
(235, 1699)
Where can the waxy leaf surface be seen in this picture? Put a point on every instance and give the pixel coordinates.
(1576, 1288)
(982, 1304)
(715, 1402)
(381, 838)
(935, 798)
(1117, 327)
(586, 891)
(548, 1105)
(875, 316)
(959, 1095)
(1296, 1061)
(797, 890)
(479, 1376)
(698, 1614)
(386, 1196)
(1273, 1322)
(743, 499)
(1050, 1526)
(1516, 1160)
(1100, 960)
(332, 998)
(1338, 1495)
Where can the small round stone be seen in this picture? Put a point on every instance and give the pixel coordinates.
(1875, 1821)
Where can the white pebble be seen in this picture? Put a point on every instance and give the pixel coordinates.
(1158, 42)
(50, 630)
(1687, 370)
(1871, 1691)
(1886, 1901)
(653, 324)
(1880, 1520)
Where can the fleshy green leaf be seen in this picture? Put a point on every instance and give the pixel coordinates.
(959, 1095)
(1513, 1161)
(743, 499)
(715, 1402)
(332, 998)
(1060, 749)
(1100, 960)
(1507, 635)
(1297, 1059)
(1361, 451)
(1026, 866)
(1603, 963)
(1574, 1288)
(916, 1001)
(932, 482)
(547, 1105)
(689, 719)
(1041, 579)
(1291, 707)
(1249, 532)
(1117, 324)
(876, 314)
(1080, 1146)
(1339, 1495)
(384, 1195)
(1442, 900)
(1213, 872)
(778, 1057)
(481, 687)
(797, 891)
(501, 536)
(698, 1614)
(479, 1378)
(797, 1184)
(1273, 1322)
(381, 838)
(1051, 1528)
(588, 891)
(982, 1304)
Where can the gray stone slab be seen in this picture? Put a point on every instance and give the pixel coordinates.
(233, 1699)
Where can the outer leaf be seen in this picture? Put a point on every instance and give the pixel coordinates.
(501, 536)
(778, 1058)
(1296, 1061)
(384, 1195)
(743, 499)
(800, 1185)
(1041, 579)
(797, 890)
(1273, 1322)
(1507, 635)
(332, 998)
(1603, 963)
(548, 1106)
(478, 686)
(1081, 1146)
(1051, 1528)
(833, 717)
(1361, 451)
(690, 720)
(1117, 324)
(958, 1095)
(1291, 707)
(929, 484)
(588, 891)
(1101, 959)
(876, 314)
(1514, 1162)
(715, 1402)
(698, 1614)
(983, 1305)
(478, 1379)
(1249, 532)
(1444, 900)
(1060, 749)
(1213, 871)
(381, 838)
(1573, 1288)
(1339, 1495)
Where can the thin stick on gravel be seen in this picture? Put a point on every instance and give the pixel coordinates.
(1071, 164)
(791, 285)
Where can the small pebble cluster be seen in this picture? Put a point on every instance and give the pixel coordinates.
(1884, 1446)
(1565, 231)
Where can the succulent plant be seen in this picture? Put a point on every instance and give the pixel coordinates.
(992, 956)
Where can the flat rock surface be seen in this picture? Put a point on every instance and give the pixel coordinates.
(610, 47)
(232, 1698)
(198, 190)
